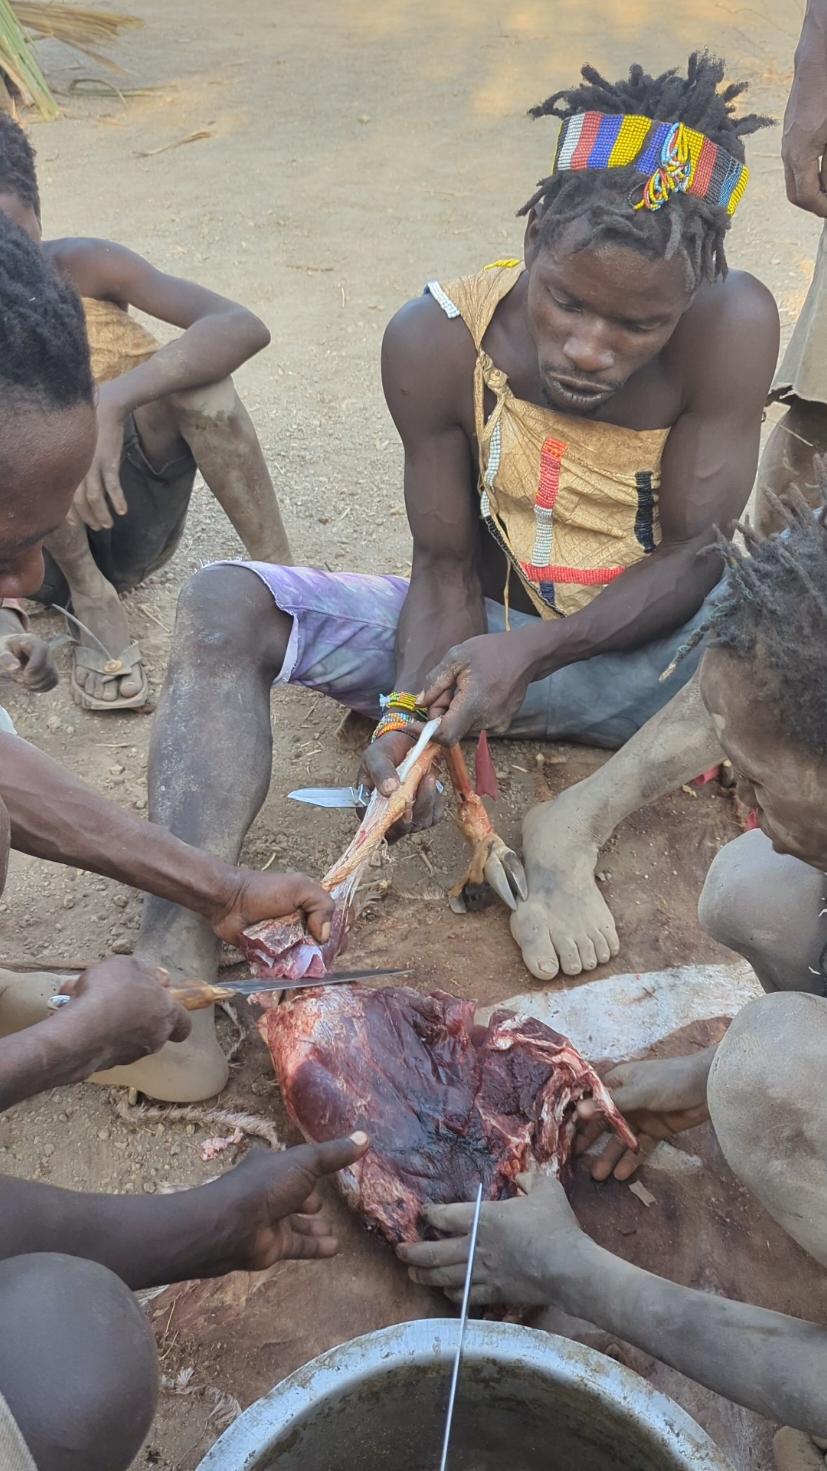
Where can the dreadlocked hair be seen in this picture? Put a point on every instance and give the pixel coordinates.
(600, 198)
(17, 169)
(773, 611)
(44, 355)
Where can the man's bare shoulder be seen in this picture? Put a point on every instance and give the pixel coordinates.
(727, 343)
(428, 357)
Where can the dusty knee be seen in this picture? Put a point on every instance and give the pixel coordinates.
(78, 1331)
(750, 1098)
(211, 401)
(226, 615)
(727, 899)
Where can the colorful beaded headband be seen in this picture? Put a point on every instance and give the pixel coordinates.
(672, 156)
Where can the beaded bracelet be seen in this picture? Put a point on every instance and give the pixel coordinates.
(396, 720)
(403, 703)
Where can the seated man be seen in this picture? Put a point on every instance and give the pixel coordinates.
(573, 427)
(163, 413)
(47, 439)
(766, 895)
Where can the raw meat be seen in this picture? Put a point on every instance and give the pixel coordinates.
(446, 1102)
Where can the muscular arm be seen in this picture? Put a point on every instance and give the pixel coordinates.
(424, 359)
(55, 816)
(804, 141)
(707, 474)
(218, 335)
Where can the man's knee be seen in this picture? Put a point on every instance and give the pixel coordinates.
(79, 1372)
(726, 900)
(217, 401)
(227, 616)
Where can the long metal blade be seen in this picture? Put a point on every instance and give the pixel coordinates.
(337, 978)
(466, 1297)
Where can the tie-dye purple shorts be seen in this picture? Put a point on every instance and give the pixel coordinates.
(343, 644)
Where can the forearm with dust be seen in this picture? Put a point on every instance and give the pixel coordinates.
(765, 1361)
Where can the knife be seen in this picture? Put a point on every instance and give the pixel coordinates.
(338, 796)
(463, 1320)
(196, 995)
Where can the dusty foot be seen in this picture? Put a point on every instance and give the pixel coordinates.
(564, 924)
(104, 614)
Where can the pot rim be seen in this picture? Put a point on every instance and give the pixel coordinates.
(425, 1341)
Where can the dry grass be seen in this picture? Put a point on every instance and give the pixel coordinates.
(22, 21)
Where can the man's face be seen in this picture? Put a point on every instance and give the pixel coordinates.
(22, 215)
(597, 315)
(44, 455)
(786, 784)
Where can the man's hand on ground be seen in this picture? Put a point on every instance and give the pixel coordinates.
(260, 896)
(526, 1248)
(101, 492)
(120, 1011)
(477, 686)
(23, 657)
(378, 769)
(268, 1209)
(659, 1098)
(804, 140)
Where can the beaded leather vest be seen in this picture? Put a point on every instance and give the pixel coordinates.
(573, 503)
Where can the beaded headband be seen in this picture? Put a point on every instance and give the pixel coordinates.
(672, 156)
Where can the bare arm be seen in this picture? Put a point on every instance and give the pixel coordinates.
(531, 1251)
(804, 141)
(262, 1212)
(54, 816)
(707, 474)
(424, 357)
(218, 334)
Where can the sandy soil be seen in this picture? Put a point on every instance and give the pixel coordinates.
(354, 151)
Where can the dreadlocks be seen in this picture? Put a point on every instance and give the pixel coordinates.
(600, 197)
(17, 170)
(773, 611)
(44, 356)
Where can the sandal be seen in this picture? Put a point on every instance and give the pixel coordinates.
(93, 661)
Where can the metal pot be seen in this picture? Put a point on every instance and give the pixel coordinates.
(528, 1401)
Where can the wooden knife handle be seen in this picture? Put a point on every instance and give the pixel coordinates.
(196, 995)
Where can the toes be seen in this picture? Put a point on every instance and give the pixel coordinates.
(602, 948)
(570, 962)
(130, 685)
(530, 930)
(587, 951)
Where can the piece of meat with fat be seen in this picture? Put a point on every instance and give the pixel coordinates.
(446, 1102)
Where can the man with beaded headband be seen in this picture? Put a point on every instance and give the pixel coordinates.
(574, 426)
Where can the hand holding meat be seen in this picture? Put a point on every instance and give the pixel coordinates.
(479, 685)
(659, 1098)
(263, 896)
(527, 1248)
(268, 1208)
(121, 1011)
(378, 769)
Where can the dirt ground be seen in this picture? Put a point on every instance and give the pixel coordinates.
(354, 151)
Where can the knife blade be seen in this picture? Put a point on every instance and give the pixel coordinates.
(332, 796)
(197, 995)
(463, 1321)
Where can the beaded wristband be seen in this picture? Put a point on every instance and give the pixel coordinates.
(396, 720)
(401, 702)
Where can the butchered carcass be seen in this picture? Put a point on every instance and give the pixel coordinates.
(446, 1102)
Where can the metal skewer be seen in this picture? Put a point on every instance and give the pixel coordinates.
(466, 1297)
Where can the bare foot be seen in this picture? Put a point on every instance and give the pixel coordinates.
(104, 615)
(565, 923)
